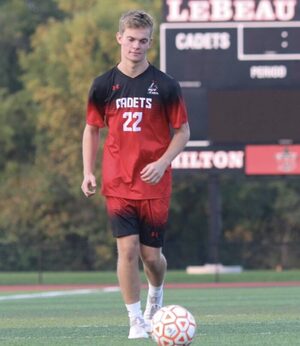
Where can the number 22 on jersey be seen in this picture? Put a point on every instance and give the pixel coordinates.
(132, 121)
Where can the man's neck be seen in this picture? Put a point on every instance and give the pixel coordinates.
(131, 69)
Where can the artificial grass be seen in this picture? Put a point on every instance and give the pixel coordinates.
(173, 276)
(231, 316)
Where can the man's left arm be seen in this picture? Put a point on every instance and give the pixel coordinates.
(153, 172)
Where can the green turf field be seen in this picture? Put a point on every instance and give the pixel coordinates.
(30, 278)
(231, 316)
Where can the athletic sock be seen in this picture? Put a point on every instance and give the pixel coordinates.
(134, 310)
(154, 291)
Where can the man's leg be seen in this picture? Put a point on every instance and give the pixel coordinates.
(154, 214)
(129, 281)
(128, 268)
(155, 266)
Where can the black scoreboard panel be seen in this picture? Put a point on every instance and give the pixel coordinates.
(202, 65)
(271, 42)
(224, 55)
(231, 73)
(196, 101)
(253, 116)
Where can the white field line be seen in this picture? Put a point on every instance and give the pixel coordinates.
(53, 294)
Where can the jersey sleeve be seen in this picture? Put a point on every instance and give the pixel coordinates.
(176, 108)
(95, 113)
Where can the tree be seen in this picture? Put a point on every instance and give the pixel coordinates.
(261, 222)
(18, 20)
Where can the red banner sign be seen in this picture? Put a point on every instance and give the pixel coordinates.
(272, 159)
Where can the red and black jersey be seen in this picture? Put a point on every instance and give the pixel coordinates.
(138, 113)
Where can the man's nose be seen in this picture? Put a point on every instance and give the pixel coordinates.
(136, 44)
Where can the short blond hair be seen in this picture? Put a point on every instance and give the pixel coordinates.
(136, 19)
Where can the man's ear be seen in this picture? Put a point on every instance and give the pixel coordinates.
(118, 37)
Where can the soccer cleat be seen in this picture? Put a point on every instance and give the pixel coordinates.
(138, 329)
(152, 306)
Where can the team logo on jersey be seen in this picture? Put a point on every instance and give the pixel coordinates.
(153, 89)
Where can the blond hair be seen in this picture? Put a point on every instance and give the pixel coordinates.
(136, 19)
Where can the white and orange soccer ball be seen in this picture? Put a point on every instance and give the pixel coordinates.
(173, 325)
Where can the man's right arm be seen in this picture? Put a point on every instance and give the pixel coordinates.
(90, 144)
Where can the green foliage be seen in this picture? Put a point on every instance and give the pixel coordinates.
(16, 128)
(263, 215)
(18, 20)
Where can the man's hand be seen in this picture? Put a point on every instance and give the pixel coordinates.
(89, 185)
(153, 172)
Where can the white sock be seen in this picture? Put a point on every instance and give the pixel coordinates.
(154, 291)
(134, 310)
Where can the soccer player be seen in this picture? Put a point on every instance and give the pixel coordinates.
(139, 104)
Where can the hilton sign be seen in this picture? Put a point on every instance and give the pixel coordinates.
(210, 160)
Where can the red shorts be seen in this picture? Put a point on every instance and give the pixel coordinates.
(147, 218)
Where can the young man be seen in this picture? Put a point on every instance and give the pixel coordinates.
(138, 103)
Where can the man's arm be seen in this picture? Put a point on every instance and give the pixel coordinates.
(90, 144)
(154, 171)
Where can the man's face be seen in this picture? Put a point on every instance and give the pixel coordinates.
(134, 43)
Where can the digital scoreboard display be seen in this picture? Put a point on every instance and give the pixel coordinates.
(238, 63)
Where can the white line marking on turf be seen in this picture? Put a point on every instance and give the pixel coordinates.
(53, 294)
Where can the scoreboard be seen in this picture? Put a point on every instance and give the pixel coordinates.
(238, 63)
(232, 55)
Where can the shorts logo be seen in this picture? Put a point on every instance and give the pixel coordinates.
(154, 234)
(153, 89)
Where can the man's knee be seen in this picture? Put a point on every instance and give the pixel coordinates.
(153, 259)
(128, 249)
